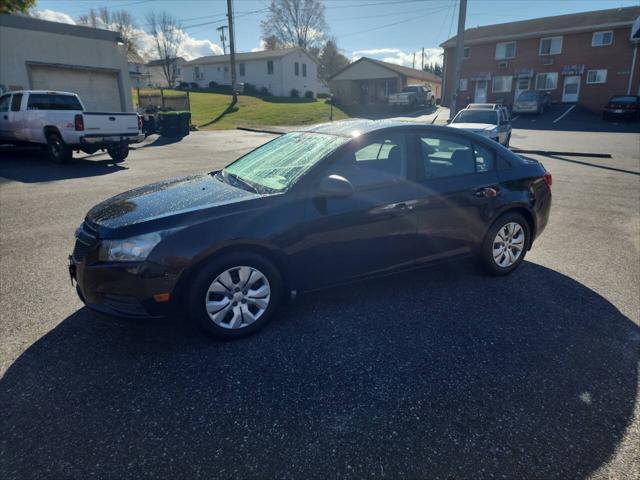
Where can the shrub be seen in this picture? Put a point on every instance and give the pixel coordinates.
(308, 94)
(250, 89)
(194, 85)
(183, 85)
(323, 95)
(265, 92)
(295, 93)
(213, 84)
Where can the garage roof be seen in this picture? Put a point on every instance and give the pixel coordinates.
(30, 23)
(573, 22)
(402, 70)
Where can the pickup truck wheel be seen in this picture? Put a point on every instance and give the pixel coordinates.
(59, 152)
(118, 152)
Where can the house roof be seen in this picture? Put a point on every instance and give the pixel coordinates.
(154, 63)
(574, 22)
(402, 70)
(245, 56)
(133, 57)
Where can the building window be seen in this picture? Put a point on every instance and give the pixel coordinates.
(241, 68)
(196, 73)
(304, 69)
(226, 68)
(550, 46)
(597, 76)
(547, 81)
(296, 69)
(502, 83)
(505, 50)
(269, 67)
(463, 84)
(601, 39)
(178, 71)
(466, 53)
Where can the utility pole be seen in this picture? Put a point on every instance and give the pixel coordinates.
(232, 51)
(414, 59)
(455, 86)
(223, 38)
(422, 58)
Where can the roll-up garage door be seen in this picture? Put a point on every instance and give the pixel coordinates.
(98, 89)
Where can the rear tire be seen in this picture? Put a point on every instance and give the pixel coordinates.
(59, 152)
(505, 244)
(235, 295)
(118, 152)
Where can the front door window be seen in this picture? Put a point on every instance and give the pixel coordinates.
(571, 89)
(481, 91)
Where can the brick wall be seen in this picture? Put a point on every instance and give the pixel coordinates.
(576, 50)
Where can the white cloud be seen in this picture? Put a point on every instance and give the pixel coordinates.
(400, 57)
(261, 47)
(53, 16)
(189, 49)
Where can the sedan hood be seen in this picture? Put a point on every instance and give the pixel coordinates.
(473, 126)
(166, 199)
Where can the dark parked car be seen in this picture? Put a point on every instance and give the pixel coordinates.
(622, 106)
(309, 209)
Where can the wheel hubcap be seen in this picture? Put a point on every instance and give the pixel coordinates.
(238, 297)
(508, 244)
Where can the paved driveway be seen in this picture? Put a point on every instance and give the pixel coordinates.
(440, 373)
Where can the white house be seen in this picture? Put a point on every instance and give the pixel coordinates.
(279, 71)
(155, 76)
(43, 55)
(137, 71)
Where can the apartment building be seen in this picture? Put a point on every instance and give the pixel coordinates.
(581, 58)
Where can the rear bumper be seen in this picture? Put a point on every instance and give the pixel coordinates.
(620, 113)
(101, 139)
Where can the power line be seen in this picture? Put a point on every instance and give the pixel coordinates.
(379, 27)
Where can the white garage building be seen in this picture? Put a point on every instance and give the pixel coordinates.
(42, 55)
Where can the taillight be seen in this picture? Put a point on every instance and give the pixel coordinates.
(548, 179)
(140, 122)
(78, 121)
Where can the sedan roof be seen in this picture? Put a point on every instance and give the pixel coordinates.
(356, 127)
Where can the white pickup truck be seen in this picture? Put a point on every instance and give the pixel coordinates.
(412, 96)
(57, 121)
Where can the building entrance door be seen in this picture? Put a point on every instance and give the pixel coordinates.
(522, 84)
(571, 89)
(481, 91)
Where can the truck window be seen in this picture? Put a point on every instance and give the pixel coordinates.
(16, 101)
(48, 101)
(4, 103)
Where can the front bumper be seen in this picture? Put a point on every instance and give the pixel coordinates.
(123, 290)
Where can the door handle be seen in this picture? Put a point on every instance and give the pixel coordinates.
(485, 192)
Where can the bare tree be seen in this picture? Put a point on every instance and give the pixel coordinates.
(119, 21)
(330, 60)
(299, 23)
(166, 34)
(271, 43)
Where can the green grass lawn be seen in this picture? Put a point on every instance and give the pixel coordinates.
(253, 111)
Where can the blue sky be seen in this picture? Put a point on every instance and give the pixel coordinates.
(386, 29)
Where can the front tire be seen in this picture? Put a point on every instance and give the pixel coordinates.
(505, 244)
(59, 152)
(235, 295)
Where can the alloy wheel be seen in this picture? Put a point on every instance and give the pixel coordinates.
(238, 297)
(508, 244)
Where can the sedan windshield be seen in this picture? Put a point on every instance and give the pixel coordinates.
(275, 166)
(528, 97)
(477, 116)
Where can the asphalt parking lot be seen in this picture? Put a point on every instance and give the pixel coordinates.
(437, 373)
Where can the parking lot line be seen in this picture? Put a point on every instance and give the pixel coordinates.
(565, 113)
(515, 118)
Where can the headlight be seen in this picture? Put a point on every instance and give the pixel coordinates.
(133, 249)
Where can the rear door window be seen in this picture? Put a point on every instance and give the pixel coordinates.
(47, 101)
(444, 157)
(16, 101)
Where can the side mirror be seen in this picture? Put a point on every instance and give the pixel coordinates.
(448, 121)
(335, 186)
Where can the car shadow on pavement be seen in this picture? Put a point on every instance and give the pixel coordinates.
(439, 373)
(29, 165)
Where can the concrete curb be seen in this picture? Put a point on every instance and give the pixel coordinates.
(261, 130)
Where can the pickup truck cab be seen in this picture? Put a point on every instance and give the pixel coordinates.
(58, 121)
(412, 96)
